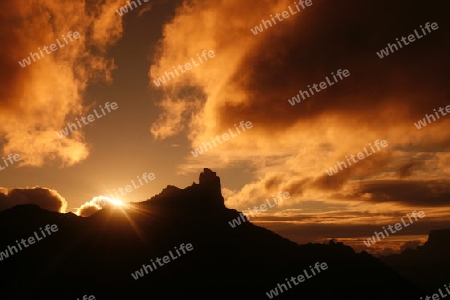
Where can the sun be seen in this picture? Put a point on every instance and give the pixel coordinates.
(116, 202)
(111, 201)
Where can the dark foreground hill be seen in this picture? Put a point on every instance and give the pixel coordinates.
(98, 255)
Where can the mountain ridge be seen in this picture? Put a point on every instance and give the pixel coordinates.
(96, 255)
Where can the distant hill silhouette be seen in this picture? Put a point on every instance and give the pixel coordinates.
(97, 255)
(429, 265)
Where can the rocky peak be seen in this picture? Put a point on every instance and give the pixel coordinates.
(209, 178)
(206, 194)
(209, 183)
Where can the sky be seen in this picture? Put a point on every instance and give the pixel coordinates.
(249, 78)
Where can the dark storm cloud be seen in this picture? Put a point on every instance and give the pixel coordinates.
(366, 167)
(419, 193)
(346, 35)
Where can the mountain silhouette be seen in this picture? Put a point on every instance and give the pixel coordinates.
(104, 254)
(429, 265)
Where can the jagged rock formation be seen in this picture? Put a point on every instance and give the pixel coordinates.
(207, 194)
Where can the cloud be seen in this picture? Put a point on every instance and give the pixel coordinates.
(410, 245)
(406, 170)
(49, 199)
(93, 206)
(37, 101)
(290, 147)
(354, 234)
(424, 193)
(249, 77)
(145, 9)
(46, 198)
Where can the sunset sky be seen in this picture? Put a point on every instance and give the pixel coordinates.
(250, 78)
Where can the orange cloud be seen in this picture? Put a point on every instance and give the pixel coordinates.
(38, 100)
(95, 205)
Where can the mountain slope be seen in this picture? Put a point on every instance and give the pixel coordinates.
(98, 255)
